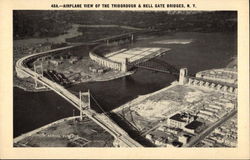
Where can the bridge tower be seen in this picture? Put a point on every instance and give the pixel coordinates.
(81, 102)
(132, 38)
(124, 67)
(183, 76)
(39, 73)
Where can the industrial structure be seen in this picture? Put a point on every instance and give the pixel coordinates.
(205, 80)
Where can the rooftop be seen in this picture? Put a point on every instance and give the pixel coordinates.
(193, 125)
(179, 117)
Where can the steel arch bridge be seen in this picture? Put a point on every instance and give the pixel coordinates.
(155, 65)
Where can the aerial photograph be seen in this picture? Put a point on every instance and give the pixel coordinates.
(125, 78)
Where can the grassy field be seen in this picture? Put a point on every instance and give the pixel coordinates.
(71, 133)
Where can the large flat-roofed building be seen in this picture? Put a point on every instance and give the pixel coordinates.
(193, 127)
(227, 75)
(179, 120)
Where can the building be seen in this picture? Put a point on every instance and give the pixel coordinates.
(162, 128)
(190, 81)
(207, 84)
(209, 113)
(201, 83)
(210, 109)
(215, 106)
(149, 137)
(174, 131)
(202, 115)
(222, 75)
(184, 139)
(224, 88)
(212, 85)
(198, 82)
(180, 120)
(56, 62)
(73, 60)
(231, 89)
(193, 127)
(235, 90)
(218, 87)
(161, 141)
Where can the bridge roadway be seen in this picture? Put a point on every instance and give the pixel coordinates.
(101, 119)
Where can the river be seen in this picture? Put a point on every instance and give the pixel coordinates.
(206, 51)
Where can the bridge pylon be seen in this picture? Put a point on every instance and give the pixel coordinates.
(81, 98)
(124, 67)
(183, 76)
(39, 73)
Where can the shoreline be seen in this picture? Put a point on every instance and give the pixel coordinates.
(30, 133)
(116, 110)
(77, 83)
(139, 98)
(71, 33)
(142, 97)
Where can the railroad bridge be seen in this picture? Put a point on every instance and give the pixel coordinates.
(156, 65)
(118, 39)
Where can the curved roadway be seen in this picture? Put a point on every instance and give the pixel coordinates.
(102, 120)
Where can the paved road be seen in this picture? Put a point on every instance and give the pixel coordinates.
(206, 132)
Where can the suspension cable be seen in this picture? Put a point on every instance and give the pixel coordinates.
(105, 113)
(98, 105)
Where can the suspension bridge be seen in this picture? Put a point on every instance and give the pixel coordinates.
(82, 103)
(121, 137)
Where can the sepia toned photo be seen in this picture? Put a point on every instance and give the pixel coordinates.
(125, 79)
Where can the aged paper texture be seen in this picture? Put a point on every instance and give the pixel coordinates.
(162, 79)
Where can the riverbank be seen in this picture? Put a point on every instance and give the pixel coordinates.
(151, 115)
(29, 86)
(108, 78)
(66, 132)
(25, 47)
(143, 97)
(49, 135)
(142, 122)
(28, 134)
